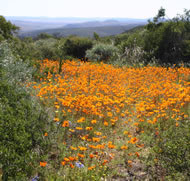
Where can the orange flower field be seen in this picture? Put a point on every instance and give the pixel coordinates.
(102, 112)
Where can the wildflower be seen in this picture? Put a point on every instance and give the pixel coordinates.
(156, 133)
(45, 134)
(104, 162)
(71, 165)
(80, 155)
(93, 121)
(133, 140)
(129, 161)
(57, 106)
(91, 156)
(92, 167)
(136, 124)
(110, 145)
(79, 128)
(81, 120)
(43, 164)
(89, 128)
(105, 123)
(98, 133)
(36, 178)
(56, 119)
(125, 132)
(82, 148)
(72, 130)
(124, 147)
(66, 159)
(137, 154)
(71, 158)
(65, 124)
(109, 114)
(95, 139)
(79, 164)
(63, 163)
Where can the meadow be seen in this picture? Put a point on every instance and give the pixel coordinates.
(114, 123)
(100, 108)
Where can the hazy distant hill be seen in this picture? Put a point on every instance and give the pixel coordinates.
(97, 24)
(32, 26)
(27, 26)
(84, 32)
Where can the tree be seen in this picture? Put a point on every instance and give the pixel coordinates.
(96, 36)
(102, 52)
(169, 41)
(76, 46)
(160, 15)
(7, 29)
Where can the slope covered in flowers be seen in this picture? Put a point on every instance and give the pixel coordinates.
(101, 112)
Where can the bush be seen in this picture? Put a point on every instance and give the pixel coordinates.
(46, 49)
(22, 119)
(22, 125)
(102, 52)
(173, 151)
(76, 47)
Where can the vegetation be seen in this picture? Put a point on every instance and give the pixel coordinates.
(108, 116)
(121, 112)
(6, 29)
(82, 31)
(102, 52)
(22, 120)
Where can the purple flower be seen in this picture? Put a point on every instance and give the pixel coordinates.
(35, 178)
(79, 164)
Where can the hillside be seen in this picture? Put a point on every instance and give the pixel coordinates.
(85, 27)
(83, 32)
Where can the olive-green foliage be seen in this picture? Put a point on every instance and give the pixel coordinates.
(121, 38)
(22, 119)
(22, 126)
(173, 151)
(102, 52)
(96, 36)
(76, 46)
(46, 49)
(24, 49)
(44, 36)
(7, 29)
(168, 40)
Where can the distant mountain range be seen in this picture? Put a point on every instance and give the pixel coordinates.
(85, 27)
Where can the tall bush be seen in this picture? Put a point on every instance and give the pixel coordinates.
(76, 47)
(22, 120)
(102, 52)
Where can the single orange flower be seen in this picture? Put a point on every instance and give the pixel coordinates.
(93, 121)
(92, 167)
(80, 155)
(71, 165)
(124, 147)
(43, 164)
(91, 155)
(63, 163)
(65, 124)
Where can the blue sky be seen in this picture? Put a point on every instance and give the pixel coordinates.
(92, 8)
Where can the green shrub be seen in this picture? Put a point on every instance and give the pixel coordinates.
(46, 49)
(173, 151)
(22, 120)
(102, 52)
(76, 46)
(7, 29)
(22, 125)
